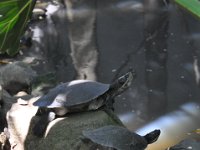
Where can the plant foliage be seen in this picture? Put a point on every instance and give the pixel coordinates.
(14, 15)
(192, 6)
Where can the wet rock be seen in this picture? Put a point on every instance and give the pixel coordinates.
(188, 144)
(16, 77)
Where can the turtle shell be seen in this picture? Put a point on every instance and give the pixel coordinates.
(72, 93)
(116, 137)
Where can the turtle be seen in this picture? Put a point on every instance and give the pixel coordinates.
(78, 96)
(115, 137)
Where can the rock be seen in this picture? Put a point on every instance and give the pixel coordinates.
(4, 142)
(66, 132)
(5, 104)
(61, 133)
(18, 119)
(188, 144)
(6, 101)
(16, 77)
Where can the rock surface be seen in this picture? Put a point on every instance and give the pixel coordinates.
(66, 132)
(18, 74)
(18, 120)
(5, 104)
(61, 133)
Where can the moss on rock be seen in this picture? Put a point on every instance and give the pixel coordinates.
(65, 133)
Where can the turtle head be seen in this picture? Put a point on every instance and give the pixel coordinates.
(123, 82)
(152, 136)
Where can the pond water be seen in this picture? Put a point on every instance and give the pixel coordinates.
(102, 39)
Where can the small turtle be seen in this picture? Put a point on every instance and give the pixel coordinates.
(77, 96)
(119, 138)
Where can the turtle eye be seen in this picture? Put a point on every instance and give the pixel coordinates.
(122, 80)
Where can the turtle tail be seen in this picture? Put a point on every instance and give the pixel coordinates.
(152, 136)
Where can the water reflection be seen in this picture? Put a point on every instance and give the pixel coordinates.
(192, 37)
(156, 24)
(196, 70)
(130, 5)
(82, 35)
(174, 126)
(101, 39)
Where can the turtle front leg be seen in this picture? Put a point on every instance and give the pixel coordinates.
(40, 127)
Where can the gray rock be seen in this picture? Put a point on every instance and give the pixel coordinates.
(5, 104)
(18, 120)
(61, 133)
(66, 132)
(16, 77)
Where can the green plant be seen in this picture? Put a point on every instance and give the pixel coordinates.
(192, 6)
(14, 16)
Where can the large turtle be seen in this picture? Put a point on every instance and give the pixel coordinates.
(119, 138)
(76, 96)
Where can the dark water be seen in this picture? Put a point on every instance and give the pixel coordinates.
(102, 39)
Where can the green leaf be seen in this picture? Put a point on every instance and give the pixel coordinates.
(192, 6)
(14, 15)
